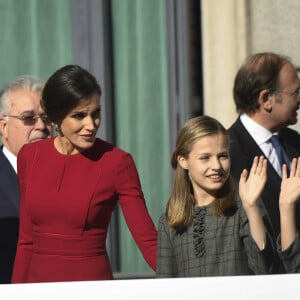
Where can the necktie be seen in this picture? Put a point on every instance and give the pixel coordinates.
(282, 157)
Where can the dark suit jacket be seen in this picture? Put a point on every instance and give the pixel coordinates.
(244, 148)
(9, 217)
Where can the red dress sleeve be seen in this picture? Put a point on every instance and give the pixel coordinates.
(134, 208)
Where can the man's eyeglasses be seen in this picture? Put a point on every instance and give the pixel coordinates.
(30, 119)
(295, 94)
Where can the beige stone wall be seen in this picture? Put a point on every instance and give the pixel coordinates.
(233, 29)
(274, 26)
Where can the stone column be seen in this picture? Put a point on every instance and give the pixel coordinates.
(224, 32)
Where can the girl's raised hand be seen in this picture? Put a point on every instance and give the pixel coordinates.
(290, 185)
(250, 187)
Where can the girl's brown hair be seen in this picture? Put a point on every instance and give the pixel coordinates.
(180, 207)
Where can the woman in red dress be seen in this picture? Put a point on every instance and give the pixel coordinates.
(70, 185)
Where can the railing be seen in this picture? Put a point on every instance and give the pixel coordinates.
(275, 287)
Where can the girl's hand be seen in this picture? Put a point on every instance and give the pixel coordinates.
(289, 195)
(290, 186)
(250, 187)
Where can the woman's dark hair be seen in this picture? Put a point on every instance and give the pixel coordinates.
(65, 89)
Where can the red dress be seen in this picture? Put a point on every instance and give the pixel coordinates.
(65, 209)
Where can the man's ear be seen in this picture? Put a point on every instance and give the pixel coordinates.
(182, 162)
(3, 126)
(265, 99)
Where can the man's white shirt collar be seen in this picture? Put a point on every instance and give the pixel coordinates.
(260, 134)
(262, 137)
(11, 158)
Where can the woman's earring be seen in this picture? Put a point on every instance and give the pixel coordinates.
(56, 127)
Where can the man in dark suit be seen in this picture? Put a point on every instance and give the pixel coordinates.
(267, 97)
(22, 121)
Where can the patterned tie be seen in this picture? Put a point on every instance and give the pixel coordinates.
(282, 156)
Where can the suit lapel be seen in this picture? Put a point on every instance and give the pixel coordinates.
(9, 181)
(291, 150)
(251, 149)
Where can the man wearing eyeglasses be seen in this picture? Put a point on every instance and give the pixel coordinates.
(267, 98)
(22, 121)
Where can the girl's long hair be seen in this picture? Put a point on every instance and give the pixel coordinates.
(180, 207)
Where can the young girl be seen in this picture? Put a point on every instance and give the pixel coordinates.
(289, 248)
(206, 230)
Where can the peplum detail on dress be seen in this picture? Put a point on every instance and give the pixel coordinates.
(198, 231)
(84, 245)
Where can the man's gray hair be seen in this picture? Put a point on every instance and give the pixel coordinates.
(25, 82)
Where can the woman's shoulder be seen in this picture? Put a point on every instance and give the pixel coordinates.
(29, 152)
(108, 147)
(44, 144)
(111, 151)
